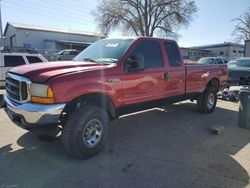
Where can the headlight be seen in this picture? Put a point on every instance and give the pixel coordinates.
(41, 93)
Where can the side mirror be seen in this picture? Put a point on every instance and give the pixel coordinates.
(135, 63)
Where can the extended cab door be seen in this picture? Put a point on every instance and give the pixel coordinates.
(141, 84)
(175, 73)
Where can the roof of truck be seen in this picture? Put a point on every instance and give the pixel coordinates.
(138, 37)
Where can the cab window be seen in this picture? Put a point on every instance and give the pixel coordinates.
(151, 52)
(34, 59)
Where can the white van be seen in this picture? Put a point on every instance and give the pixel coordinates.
(9, 60)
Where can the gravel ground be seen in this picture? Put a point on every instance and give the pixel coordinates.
(169, 147)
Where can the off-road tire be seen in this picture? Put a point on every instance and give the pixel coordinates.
(73, 132)
(203, 104)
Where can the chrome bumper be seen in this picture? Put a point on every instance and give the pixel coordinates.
(29, 115)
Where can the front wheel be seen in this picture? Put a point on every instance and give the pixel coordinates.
(206, 102)
(85, 132)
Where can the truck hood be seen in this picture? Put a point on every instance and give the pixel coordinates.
(41, 72)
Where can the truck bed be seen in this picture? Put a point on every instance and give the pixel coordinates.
(198, 75)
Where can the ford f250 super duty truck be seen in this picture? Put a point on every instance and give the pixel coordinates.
(110, 78)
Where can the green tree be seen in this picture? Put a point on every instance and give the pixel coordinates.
(145, 17)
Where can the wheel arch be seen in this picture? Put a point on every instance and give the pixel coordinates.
(215, 83)
(97, 99)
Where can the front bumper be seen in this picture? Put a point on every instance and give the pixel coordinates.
(29, 115)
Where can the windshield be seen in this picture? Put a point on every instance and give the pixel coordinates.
(239, 63)
(206, 60)
(107, 50)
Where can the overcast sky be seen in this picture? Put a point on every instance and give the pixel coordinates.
(211, 24)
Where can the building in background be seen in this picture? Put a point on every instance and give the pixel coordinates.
(46, 39)
(194, 54)
(227, 49)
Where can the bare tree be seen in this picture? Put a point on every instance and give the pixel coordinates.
(241, 31)
(145, 17)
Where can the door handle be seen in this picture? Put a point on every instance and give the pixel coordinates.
(165, 76)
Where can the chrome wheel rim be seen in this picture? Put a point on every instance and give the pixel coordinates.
(210, 101)
(92, 133)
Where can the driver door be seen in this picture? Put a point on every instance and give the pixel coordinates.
(144, 85)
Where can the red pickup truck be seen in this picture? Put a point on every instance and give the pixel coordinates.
(110, 78)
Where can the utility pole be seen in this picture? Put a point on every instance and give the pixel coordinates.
(1, 29)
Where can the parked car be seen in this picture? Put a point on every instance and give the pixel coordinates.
(11, 58)
(212, 60)
(110, 78)
(239, 71)
(67, 54)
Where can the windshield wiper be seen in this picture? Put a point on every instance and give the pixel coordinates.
(90, 59)
(107, 60)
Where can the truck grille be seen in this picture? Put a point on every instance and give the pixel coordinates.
(244, 80)
(17, 88)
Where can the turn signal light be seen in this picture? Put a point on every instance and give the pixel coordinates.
(50, 93)
(43, 100)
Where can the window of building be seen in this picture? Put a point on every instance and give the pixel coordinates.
(221, 53)
(34, 59)
(151, 52)
(174, 57)
(12, 61)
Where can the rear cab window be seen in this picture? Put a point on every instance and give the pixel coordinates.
(173, 53)
(33, 59)
(13, 60)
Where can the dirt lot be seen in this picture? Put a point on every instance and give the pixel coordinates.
(157, 148)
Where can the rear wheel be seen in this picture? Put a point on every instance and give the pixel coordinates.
(85, 132)
(206, 102)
